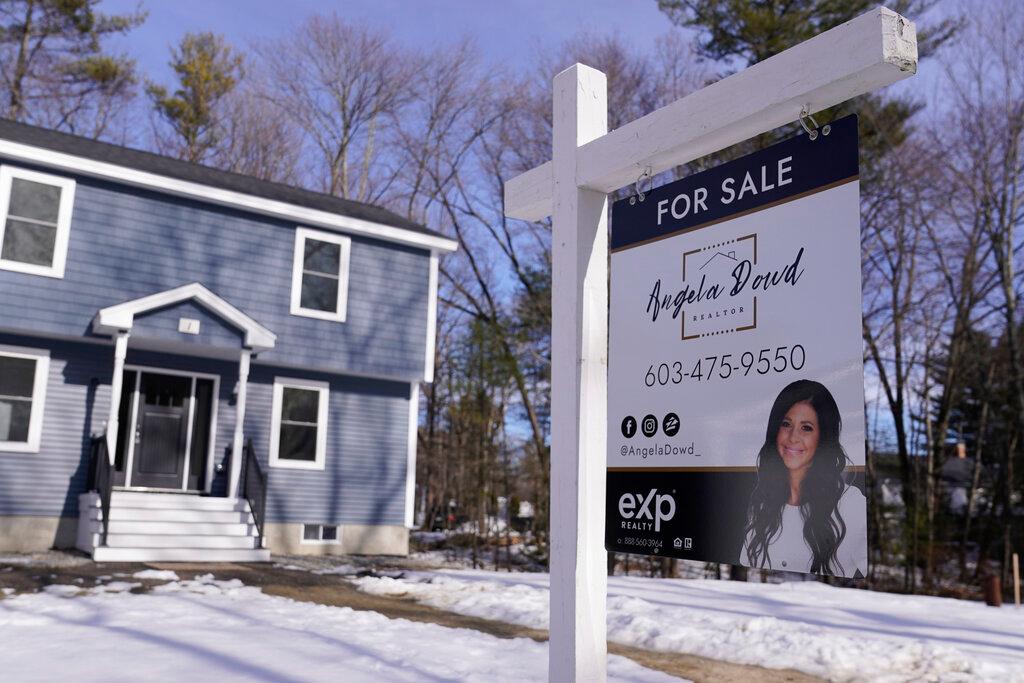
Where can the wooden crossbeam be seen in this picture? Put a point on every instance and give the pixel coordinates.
(869, 52)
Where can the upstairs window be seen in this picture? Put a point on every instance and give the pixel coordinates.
(320, 275)
(298, 434)
(35, 218)
(23, 374)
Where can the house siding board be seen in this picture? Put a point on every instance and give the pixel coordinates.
(162, 324)
(126, 243)
(47, 483)
(364, 479)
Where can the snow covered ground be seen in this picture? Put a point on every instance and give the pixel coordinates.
(836, 633)
(210, 630)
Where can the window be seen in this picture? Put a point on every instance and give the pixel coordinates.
(23, 375)
(319, 533)
(320, 275)
(298, 436)
(35, 217)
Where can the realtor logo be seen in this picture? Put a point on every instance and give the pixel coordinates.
(707, 274)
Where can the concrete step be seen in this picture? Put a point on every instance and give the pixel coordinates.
(179, 528)
(135, 499)
(180, 541)
(145, 514)
(108, 554)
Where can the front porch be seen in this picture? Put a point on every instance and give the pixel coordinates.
(121, 525)
(151, 493)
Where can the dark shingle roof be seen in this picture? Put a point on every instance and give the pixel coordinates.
(197, 173)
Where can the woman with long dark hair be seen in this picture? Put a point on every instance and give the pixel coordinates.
(803, 516)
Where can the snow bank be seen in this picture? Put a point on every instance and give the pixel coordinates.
(838, 634)
(156, 575)
(223, 631)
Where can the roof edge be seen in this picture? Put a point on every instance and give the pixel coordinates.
(229, 198)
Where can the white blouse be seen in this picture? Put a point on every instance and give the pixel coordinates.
(788, 550)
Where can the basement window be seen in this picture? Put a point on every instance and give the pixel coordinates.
(319, 533)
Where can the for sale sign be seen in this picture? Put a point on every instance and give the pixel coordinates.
(735, 378)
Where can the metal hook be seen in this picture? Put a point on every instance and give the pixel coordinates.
(812, 131)
(638, 185)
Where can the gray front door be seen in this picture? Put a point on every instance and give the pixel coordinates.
(161, 431)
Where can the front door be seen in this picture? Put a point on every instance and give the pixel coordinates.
(161, 431)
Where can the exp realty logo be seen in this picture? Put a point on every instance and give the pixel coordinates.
(644, 512)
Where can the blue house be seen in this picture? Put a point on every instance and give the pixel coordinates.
(198, 365)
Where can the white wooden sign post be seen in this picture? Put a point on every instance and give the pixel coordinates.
(874, 50)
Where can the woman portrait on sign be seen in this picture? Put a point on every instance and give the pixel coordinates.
(803, 516)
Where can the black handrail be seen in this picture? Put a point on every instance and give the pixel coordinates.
(254, 487)
(102, 480)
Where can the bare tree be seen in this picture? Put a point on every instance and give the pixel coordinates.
(987, 86)
(343, 86)
(257, 138)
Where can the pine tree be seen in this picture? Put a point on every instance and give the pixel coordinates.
(207, 69)
(53, 69)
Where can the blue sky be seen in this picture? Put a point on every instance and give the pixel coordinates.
(506, 31)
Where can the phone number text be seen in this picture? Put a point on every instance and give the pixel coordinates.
(726, 366)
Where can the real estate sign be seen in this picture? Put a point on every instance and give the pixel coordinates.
(735, 378)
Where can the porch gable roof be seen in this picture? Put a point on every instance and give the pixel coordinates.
(122, 316)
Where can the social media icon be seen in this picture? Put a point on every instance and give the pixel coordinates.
(670, 424)
(650, 425)
(628, 426)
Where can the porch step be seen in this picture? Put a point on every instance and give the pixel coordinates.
(108, 554)
(179, 528)
(221, 541)
(147, 514)
(136, 499)
(170, 527)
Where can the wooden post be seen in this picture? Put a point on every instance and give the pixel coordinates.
(116, 382)
(866, 53)
(236, 442)
(1016, 581)
(579, 376)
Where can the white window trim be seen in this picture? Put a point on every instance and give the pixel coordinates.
(318, 541)
(35, 420)
(67, 200)
(298, 258)
(280, 383)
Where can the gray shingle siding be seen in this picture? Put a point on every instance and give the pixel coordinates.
(126, 243)
(365, 473)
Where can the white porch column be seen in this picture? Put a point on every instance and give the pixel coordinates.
(236, 444)
(579, 386)
(120, 353)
